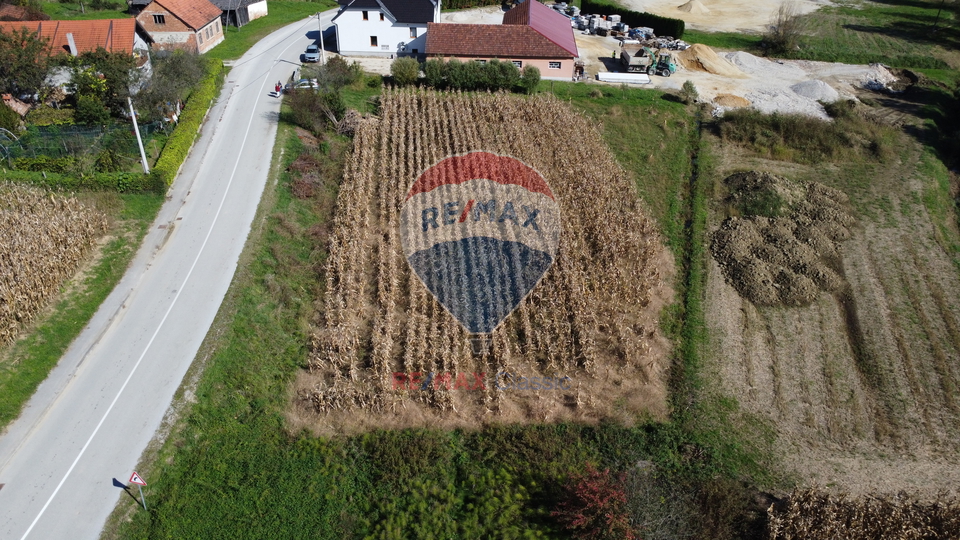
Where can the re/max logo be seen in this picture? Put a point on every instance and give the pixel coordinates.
(509, 381)
(452, 213)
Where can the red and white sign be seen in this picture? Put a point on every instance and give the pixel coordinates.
(135, 479)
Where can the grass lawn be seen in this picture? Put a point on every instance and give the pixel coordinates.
(281, 13)
(26, 363)
(72, 11)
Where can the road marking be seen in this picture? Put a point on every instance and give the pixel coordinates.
(167, 314)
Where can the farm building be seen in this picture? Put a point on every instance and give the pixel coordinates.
(531, 35)
(384, 27)
(193, 25)
(240, 12)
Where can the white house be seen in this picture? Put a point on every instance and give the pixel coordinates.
(384, 27)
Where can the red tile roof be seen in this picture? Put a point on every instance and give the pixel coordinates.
(544, 20)
(505, 41)
(195, 13)
(114, 35)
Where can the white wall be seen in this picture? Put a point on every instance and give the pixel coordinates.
(353, 35)
(255, 11)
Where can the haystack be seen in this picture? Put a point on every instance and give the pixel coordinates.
(702, 58)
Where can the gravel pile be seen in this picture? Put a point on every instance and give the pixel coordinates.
(785, 101)
(816, 90)
(791, 255)
(755, 65)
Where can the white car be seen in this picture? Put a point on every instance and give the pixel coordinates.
(302, 83)
(312, 54)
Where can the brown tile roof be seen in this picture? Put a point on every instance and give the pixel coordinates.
(505, 41)
(114, 35)
(195, 13)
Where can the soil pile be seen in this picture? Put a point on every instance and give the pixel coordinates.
(785, 247)
(816, 89)
(694, 6)
(731, 101)
(703, 58)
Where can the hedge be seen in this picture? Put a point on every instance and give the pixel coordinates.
(120, 182)
(179, 143)
(662, 26)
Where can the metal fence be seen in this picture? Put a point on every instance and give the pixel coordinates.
(75, 141)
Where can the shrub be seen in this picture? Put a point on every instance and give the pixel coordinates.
(688, 93)
(336, 73)
(530, 79)
(316, 111)
(9, 119)
(595, 506)
(435, 73)
(90, 111)
(44, 115)
(118, 181)
(785, 29)
(405, 71)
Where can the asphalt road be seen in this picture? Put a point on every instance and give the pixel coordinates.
(90, 421)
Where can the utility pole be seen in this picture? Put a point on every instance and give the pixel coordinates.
(143, 155)
(323, 54)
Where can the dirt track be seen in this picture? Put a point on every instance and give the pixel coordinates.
(861, 385)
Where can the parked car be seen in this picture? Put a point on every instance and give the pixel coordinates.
(302, 83)
(312, 54)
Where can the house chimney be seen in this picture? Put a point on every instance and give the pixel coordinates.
(72, 44)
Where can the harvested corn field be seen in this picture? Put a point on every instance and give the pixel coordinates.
(43, 239)
(587, 331)
(859, 375)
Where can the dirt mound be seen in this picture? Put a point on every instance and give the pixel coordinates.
(703, 58)
(784, 248)
(816, 89)
(731, 101)
(694, 6)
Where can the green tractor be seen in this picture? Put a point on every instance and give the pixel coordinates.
(664, 66)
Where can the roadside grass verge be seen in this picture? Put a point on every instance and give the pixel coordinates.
(26, 363)
(231, 469)
(898, 33)
(281, 13)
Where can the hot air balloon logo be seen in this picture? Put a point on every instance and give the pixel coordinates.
(480, 230)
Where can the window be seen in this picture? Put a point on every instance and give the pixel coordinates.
(480, 61)
(218, 27)
(159, 19)
(554, 65)
(365, 17)
(381, 16)
(373, 41)
(200, 36)
(518, 63)
(413, 32)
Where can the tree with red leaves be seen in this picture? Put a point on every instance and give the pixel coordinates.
(595, 506)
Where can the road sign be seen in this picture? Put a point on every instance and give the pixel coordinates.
(135, 479)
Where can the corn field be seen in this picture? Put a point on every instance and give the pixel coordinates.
(591, 318)
(811, 514)
(43, 239)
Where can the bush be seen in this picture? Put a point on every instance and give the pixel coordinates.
(662, 26)
(500, 75)
(90, 111)
(61, 165)
(530, 79)
(435, 73)
(595, 506)
(121, 181)
(405, 71)
(786, 28)
(688, 93)
(336, 73)
(44, 115)
(9, 119)
(316, 111)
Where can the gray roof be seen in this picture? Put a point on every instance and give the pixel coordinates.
(232, 4)
(402, 11)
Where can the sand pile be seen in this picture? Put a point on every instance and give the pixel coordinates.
(816, 90)
(702, 58)
(785, 249)
(695, 7)
(730, 101)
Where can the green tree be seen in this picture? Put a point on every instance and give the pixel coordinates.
(23, 61)
(9, 119)
(91, 111)
(118, 71)
(530, 79)
(174, 75)
(405, 71)
(435, 73)
(336, 73)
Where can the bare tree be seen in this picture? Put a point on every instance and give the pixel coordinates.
(785, 28)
